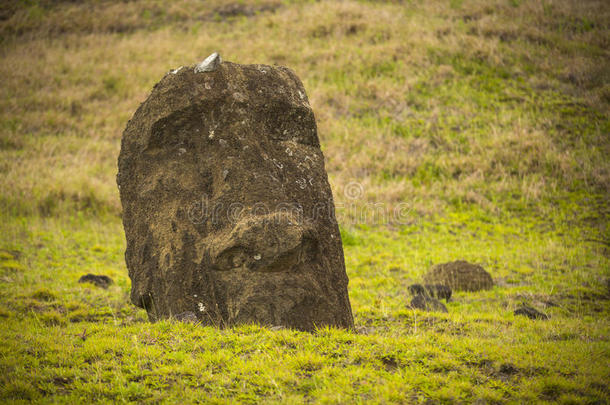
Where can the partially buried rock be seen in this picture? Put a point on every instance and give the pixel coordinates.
(426, 303)
(532, 313)
(438, 291)
(460, 276)
(97, 279)
(227, 209)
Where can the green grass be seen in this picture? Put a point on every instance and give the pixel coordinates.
(485, 122)
(69, 342)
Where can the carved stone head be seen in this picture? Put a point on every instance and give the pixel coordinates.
(227, 209)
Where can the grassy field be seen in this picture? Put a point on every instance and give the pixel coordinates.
(488, 120)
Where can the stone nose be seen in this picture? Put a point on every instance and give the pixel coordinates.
(274, 242)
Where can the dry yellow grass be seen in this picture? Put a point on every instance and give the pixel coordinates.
(472, 99)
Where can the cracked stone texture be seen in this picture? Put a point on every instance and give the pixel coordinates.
(227, 209)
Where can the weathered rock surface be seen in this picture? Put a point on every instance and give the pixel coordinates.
(438, 291)
(227, 209)
(460, 276)
(427, 303)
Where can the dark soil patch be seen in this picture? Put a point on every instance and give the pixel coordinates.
(96, 279)
(530, 312)
(390, 362)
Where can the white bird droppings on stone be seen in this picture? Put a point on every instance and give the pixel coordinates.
(209, 64)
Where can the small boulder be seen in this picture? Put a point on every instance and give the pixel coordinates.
(426, 303)
(97, 279)
(417, 289)
(438, 291)
(532, 313)
(460, 276)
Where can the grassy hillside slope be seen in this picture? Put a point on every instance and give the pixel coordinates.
(485, 124)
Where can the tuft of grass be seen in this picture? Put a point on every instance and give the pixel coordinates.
(6, 256)
(11, 265)
(43, 294)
